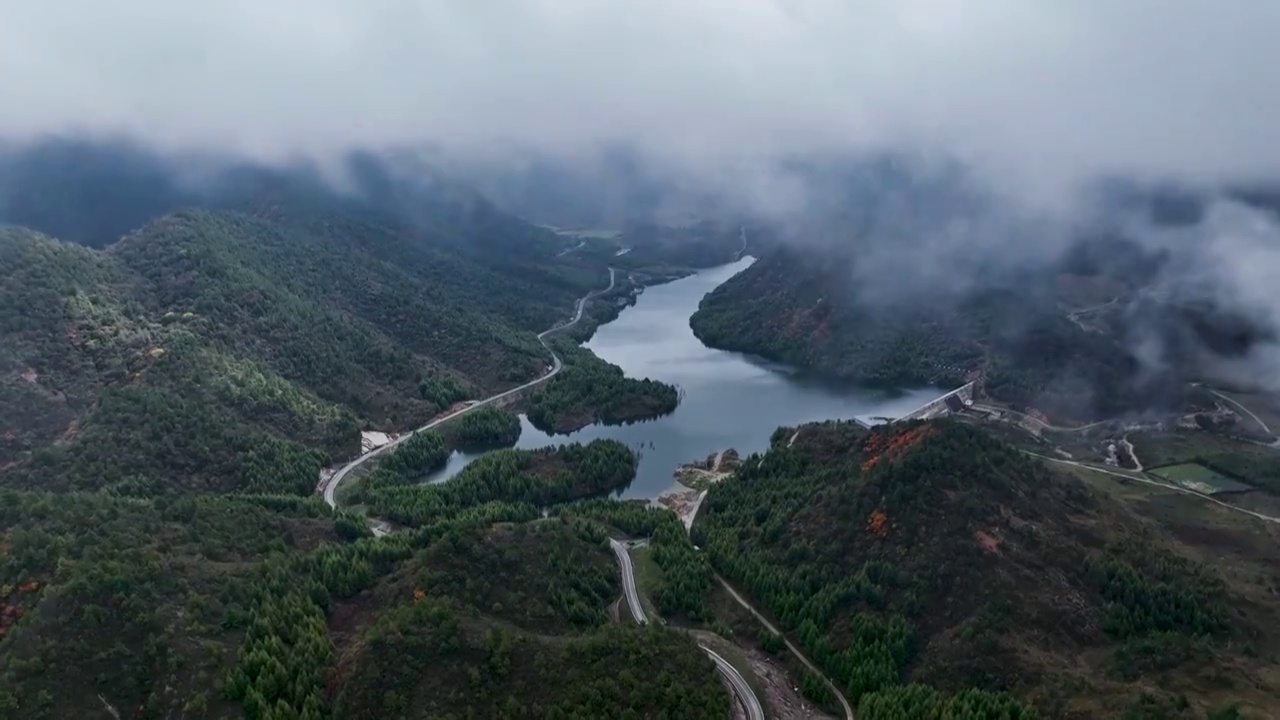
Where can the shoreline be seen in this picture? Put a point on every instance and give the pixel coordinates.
(696, 478)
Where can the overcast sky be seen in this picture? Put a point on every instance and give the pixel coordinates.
(1043, 90)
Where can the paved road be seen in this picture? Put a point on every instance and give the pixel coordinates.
(1080, 428)
(1148, 481)
(1274, 443)
(629, 581)
(581, 244)
(739, 684)
(741, 689)
(331, 487)
(1037, 421)
(844, 704)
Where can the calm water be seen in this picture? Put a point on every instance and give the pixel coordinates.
(729, 400)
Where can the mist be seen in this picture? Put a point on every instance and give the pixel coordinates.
(998, 121)
(1041, 95)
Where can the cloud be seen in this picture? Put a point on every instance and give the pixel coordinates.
(1040, 94)
(725, 99)
(1228, 265)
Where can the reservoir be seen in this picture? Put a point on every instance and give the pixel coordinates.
(728, 400)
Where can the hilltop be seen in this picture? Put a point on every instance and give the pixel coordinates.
(934, 554)
(512, 621)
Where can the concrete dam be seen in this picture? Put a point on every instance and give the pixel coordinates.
(954, 401)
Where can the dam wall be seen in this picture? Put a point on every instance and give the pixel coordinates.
(939, 406)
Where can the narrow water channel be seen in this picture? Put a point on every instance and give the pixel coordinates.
(729, 400)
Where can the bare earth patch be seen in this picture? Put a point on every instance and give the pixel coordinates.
(683, 503)
(778, 694)
(781, 696)
(986, 542)
(699, 474)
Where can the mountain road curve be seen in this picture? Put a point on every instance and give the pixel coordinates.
(737, 683)
(1041, 424)
(331, 485)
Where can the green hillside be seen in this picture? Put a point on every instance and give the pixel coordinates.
(270, 606)
(511, 622)
(170, 357)
(934, 554)
(136, 606)
(803, 310)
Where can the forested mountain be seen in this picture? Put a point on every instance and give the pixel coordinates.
(609, 190)
(174, 373)
(796, 306)
(275, 607)
(898, 273)
(905, 272)
(256, 606)
(209, 342)
(929, 567)
(511, 622)
(113, 605)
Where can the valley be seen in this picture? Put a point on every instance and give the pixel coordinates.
(495, 436)
(881, 697)
(727, 399)
(534, 360)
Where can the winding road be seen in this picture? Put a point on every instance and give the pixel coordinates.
(739, 684)
(1274, 443)
(331, 485)
(743, 691)
(1037, 421)
(1075, 315)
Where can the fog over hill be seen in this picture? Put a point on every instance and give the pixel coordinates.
(1046, 93)
(942, 147)
(238, 238)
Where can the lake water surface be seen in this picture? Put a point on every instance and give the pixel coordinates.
(729, 400)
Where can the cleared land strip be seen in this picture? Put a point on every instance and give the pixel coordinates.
(741, 689)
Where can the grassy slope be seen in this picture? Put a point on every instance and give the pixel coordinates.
(1249, 463)
(986, 566)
